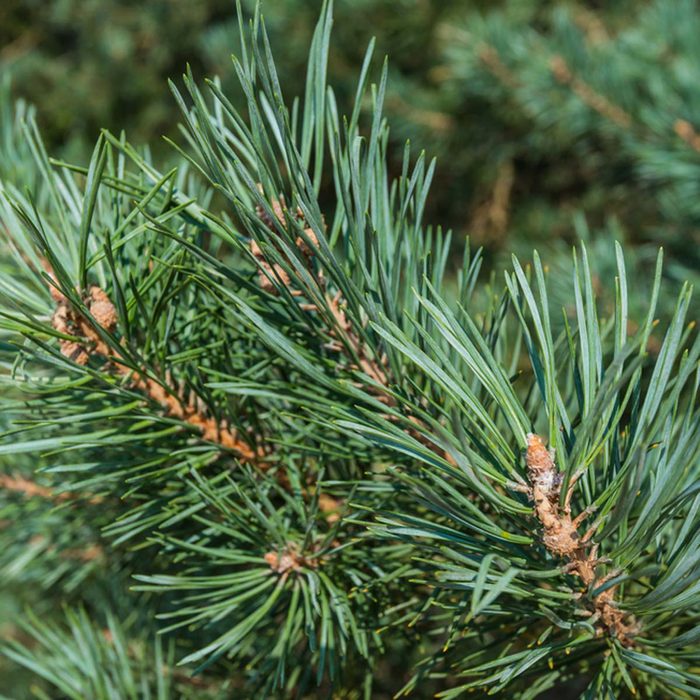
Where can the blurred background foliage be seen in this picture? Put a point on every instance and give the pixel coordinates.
(535, 110)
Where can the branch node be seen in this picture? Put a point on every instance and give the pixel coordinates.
(560, 536)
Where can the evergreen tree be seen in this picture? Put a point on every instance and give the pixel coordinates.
(256, 444)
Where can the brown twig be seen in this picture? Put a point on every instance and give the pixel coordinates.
(490, 58)
(30, 489)
(560, 536)
(588, 95)
(289, 559)
(90, 553)
(490, 220)
(87, 554)
(70, 321)
(685, 130)
(267, 272)
(330, 507)
(345, 336)
(588, 20)
(22, 45)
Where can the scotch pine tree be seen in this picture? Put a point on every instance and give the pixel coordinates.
(257, 448)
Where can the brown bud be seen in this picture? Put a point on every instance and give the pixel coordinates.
(74, 351)
(538, 457)
(308, 249)
(102, 309)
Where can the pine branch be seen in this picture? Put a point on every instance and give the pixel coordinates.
(344, 336)
(90, 333)
(20, 484)
(561, 537)
(588, 95)
(31, 489)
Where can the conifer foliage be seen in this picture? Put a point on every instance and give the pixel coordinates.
(609, 93)
(253, 447)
